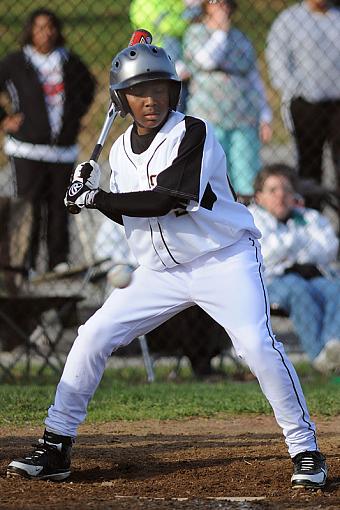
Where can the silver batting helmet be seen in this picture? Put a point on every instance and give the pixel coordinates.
(137, 64)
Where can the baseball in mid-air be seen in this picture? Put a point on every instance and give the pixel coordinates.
(120, 276)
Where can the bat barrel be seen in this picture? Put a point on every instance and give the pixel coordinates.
(110, 117)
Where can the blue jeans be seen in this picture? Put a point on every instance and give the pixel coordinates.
(313, 306)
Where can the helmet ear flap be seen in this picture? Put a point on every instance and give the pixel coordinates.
(174, 94)
(119, 100)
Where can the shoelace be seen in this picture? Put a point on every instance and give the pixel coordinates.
(40, 449)
(307, 464)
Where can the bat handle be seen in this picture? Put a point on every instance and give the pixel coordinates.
(110, 117)
(73, 208)
(96, 152)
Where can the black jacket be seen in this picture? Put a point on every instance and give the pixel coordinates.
(19, 78)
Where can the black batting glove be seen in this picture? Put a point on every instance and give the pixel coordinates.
(79, 195)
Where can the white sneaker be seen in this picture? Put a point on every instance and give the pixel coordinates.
(62, 267)
(328, 360)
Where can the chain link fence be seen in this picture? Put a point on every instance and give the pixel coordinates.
(265, 74)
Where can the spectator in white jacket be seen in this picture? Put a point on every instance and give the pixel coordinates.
(299, 246)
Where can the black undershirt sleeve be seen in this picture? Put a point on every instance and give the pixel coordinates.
(142, 204)
(113, 215)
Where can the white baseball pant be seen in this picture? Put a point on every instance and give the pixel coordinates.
(228, 285)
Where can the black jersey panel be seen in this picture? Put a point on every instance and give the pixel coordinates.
(209, 198)
(182, 177)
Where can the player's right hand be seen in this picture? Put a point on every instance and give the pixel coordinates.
(88, 173)
(79, 195)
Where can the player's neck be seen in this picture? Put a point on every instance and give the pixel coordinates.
(140, 143)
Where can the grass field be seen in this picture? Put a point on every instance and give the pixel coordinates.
(124, 395)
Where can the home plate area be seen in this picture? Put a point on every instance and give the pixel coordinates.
(193, 464)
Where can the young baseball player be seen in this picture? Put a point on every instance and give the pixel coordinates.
(195, 245)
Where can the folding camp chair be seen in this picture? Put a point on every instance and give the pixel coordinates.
(32, 324)
(23, 325)
(16, 218)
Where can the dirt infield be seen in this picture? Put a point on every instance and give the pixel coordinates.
(194, 464)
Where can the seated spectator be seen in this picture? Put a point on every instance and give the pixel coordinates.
(299, 246)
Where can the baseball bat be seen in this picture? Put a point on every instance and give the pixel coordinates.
(139, 36)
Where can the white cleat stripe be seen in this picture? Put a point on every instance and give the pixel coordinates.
(30, 470)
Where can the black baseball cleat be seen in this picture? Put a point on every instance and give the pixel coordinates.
(310, 470)
(51, 459)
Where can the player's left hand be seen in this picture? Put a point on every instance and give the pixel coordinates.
(80, 194)
(88, 173)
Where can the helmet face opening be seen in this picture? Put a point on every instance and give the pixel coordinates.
(140, 63)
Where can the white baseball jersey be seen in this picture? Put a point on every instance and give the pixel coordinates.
(205, 254)
(211, 220)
